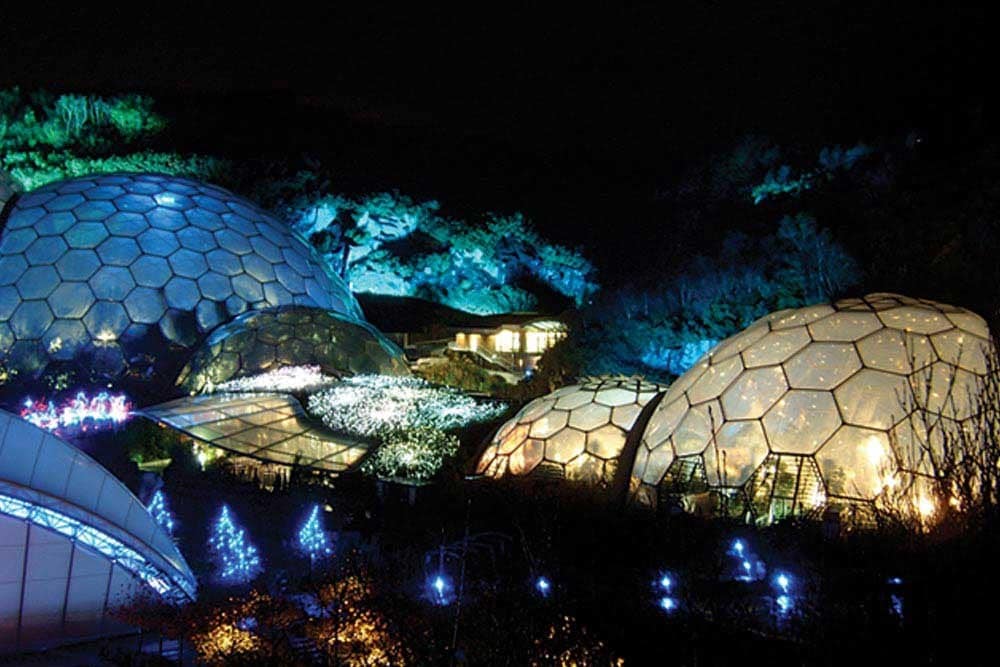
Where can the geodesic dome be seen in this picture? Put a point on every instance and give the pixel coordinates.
(576, 432)
(118, 275)
(265, 340)
(814, 407)
(74, 544)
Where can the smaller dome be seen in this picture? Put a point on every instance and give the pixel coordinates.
(576, 432)
(265, 340)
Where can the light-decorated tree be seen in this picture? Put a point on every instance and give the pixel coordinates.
(313, 540)
(236, 559)
(161, 512)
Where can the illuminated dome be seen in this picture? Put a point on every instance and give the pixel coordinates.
(74, 544)
(262, 341)
(815, 407)
(116, 276)
(576, 432)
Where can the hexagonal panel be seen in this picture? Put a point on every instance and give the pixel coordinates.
(590, 416)
(753, 393)
(548, 424)
(565, 445)
(846, 326)
(695, 429)
(915, 319)
(71, 300)
(714, 380)
(606, 442)
(961, 349)
(874, 399)
(776, 347)
(739, 449)
(856, 462)
(822, 366)
(615, 396)
(801, 421)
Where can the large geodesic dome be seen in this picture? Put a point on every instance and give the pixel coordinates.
(117, 276)
(265, 340)
(577, 432)
(818, 407)
(74, 544)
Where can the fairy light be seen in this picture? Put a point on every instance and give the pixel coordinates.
(79, 413)
(236, 559)
(373, 405)
(285, 379)
(161, 513)
(313, 540)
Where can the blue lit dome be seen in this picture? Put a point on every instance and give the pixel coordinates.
(115, 278)
(75, 544)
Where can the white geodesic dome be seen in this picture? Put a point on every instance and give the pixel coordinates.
(577, 432)
(814, 407)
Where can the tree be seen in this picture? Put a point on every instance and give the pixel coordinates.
(313, 540)
(161, 512)
(236, 559)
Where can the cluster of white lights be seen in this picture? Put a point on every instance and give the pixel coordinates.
(79, 413)
(373, 405)
(415, 454)
(116, 551)
(287, 379)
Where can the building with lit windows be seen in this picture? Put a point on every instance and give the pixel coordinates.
(74, 544)
(517, 343)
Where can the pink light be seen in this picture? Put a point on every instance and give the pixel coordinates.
(79, 413)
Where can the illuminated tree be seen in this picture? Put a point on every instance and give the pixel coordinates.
(313, 540)
(352, 631)
(236, 559)
(566, 642)
(161, 512)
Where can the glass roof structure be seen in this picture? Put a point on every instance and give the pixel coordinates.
(269, 427)
(74, 543)
(109, 277)
(576, 432)
(262, 341)
(815, 407)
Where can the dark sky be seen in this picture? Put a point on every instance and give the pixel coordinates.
(561, 113)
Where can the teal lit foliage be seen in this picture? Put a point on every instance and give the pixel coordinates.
(161, 512)
(388, 244)
(663, 331)
(313, 541)
(778, 210)
(235, 558)
(412, 455)
(46, 138)
(383, 243)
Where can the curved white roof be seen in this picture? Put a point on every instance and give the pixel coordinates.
(40, 471)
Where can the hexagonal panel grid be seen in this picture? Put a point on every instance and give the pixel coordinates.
(578, 430)
(172, 255)
(825, 404)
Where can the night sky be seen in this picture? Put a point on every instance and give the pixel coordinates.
(575, 118)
